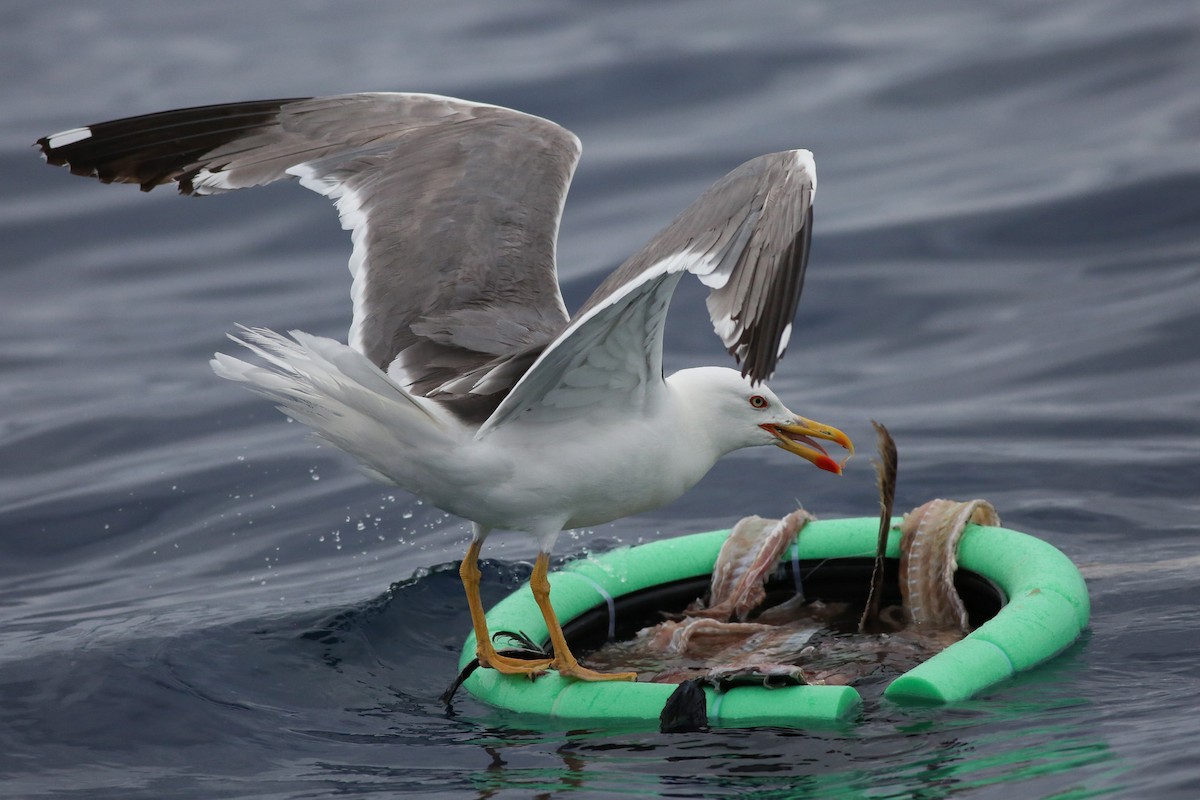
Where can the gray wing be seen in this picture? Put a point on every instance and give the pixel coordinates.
(453, 209)
(750, 234)
(747, 238)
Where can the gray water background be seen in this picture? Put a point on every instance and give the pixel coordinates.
(194, 599)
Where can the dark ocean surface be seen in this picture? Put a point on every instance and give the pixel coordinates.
(197, 602)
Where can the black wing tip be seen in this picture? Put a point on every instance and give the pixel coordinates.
(87, 159)
(76, 161)
(762, 347)
(53, 158)
(155, 149)
(756, 377)
(60, 155)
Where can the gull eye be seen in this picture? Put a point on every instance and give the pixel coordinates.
(758, 401)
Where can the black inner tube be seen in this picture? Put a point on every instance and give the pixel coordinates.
(845, 580)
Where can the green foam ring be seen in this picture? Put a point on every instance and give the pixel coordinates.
(745, 706)
(1047, 609)
(620, 701)
(962, 670)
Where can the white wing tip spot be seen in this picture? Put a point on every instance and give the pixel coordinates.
(725, 328)
(64, 138)
(808, 165)
(311, 180)
(205, 181)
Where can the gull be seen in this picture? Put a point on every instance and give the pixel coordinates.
(464, 379)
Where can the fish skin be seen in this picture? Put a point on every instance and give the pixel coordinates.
(745, 562)
(885, 477)
(929, 538)
(793, 639)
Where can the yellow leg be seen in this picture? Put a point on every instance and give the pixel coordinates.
(564, 662)
(488, 657)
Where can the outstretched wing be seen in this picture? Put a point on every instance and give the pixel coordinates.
(749, 234)
(747, 238)
(453, 209)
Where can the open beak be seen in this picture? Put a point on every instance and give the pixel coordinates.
(800, 437)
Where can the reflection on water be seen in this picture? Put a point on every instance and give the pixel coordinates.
(936, 754)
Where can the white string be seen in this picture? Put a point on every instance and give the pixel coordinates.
(609, 601)
(714, 709)
(796, 571)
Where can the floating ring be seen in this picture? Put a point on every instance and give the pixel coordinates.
(1042, 599)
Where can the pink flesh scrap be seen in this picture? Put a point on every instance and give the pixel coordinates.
(747, 559)
(792, 639)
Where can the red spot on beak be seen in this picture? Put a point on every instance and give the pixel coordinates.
(828, 464)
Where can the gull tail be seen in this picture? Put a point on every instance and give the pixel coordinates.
(347, 401)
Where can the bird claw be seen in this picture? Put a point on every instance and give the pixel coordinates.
(522, 662)
(528, 659)
(581, 673)
(508, 665)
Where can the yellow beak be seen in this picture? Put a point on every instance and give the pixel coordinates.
(800, 437)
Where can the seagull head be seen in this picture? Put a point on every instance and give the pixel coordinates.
(740, 414)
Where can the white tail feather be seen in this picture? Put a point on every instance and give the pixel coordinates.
(348, 402)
